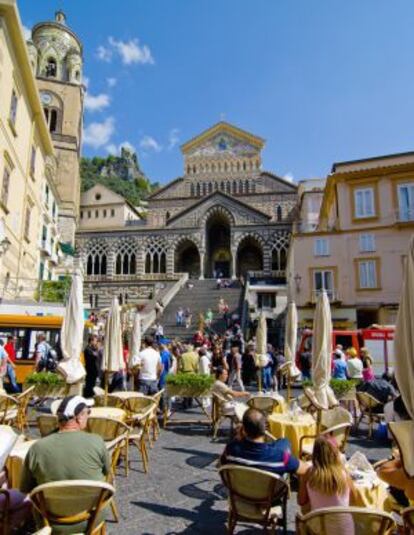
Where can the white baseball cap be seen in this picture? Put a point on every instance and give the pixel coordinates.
(71, 406)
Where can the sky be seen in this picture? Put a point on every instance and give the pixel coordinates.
(322, 81)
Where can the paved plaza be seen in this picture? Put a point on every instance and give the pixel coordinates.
(182, 493)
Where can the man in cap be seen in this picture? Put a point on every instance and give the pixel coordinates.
(68, 453)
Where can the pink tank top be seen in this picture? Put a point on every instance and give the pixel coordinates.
(341, 524)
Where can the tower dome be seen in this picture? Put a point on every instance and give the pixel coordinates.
(59, 50)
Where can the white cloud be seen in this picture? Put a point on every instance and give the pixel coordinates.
(173, 138)
(129, 51)
(104, 53)
(149, 144)
(132, 52)
(27, 32)
(96, 102)
(289, 177)
(98, 134)
(111, 82)
(115, 150)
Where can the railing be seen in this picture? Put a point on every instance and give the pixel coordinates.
(405, 215)
(135, 223)
(136, 277)
(277, 277)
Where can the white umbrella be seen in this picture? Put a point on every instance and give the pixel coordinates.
(113, 360)
(261, 345)
(404, 363)
(321, 352)
(291, 332)
(135, 345)
(71, 336)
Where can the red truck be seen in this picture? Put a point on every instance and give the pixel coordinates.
(378, 339)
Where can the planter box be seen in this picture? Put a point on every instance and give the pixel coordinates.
(48, 391)
(187, 392)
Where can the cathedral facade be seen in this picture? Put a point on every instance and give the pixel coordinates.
(225, 215)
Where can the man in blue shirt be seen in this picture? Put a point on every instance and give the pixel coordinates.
(250, 449)
(166, 363)
(339, 366)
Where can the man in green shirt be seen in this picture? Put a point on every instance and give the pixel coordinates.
(189, 361)
(69, 453)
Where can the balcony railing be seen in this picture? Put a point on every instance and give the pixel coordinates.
(404, 215)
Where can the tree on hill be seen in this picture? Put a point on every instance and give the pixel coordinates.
(121, 174)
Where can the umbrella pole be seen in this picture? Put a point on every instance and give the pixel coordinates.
(260, 380)
(106, 387)
(288, 388)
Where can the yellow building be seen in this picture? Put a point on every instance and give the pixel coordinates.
(29, 199)
(357, 248)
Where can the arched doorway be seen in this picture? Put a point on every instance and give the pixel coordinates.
(249, 256)
(187, 259)
(218, 245)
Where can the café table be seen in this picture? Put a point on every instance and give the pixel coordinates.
(292, 428)
(370, 493)
(108, 412)
(15, 461)
(281, 408)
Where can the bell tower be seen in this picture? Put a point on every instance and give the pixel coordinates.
(55, 53)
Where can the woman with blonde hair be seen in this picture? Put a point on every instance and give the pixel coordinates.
(328, 484)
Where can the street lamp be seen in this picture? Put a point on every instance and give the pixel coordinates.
(298, 281)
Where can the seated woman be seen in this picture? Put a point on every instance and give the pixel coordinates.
(328, 484)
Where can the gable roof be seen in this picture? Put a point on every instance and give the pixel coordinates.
(217, 194)
(222, 126)
(280, 179)
(164, 188)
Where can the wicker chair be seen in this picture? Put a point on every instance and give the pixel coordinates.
(266, 404)
(9, 410)
(154, 425)
(47, 424)
(255, 496)
(367, 404)
(23, 400)
(364, 521)
(73, 503)
(219, 413)
(408, 519)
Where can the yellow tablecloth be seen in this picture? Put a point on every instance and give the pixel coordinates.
(108, 412)
(371, 496)
(15, 461)
(282, 426)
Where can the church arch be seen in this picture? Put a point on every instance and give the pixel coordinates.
(217, 224)
(187, 258)
(249, 254)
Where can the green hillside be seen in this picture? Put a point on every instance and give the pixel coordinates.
(121, 174)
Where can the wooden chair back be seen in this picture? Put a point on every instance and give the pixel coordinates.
(47, 424)
(408, 520)
(358, 520)
(266, 404)
(107, 428)
(252, 492)
(7, 404)
(366, 401)
(76, 503)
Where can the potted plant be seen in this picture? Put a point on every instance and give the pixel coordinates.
(47, 384)
(189, 385)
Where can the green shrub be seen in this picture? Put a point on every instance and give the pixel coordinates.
(191, 380)
(53, 291)
(45, 378)
(339, 386)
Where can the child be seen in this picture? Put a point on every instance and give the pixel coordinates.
(328, 484)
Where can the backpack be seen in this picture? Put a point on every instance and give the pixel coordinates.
(49, 361)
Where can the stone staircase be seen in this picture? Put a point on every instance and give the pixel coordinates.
(200, 298)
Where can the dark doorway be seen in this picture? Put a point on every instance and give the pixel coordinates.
(366, 317)
(218, 245)
(249, 256)
(187, 259)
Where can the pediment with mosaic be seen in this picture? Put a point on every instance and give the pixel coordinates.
(224, 145)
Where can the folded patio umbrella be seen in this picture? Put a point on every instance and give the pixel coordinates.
(71, 337)
(113, 360)
(291, 332)
(321, 352)
(404, 363)
(135, 346)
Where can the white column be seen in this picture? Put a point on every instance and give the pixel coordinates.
(202, 258)
(233, 263)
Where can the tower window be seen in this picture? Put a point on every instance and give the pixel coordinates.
(51, 119)
(51, 68)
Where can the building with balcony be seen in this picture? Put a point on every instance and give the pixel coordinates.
(357, 248)
(29, 198)
(225, 215)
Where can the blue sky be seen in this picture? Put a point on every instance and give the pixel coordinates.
(321, 81)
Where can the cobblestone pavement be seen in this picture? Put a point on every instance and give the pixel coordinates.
(182, 493)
